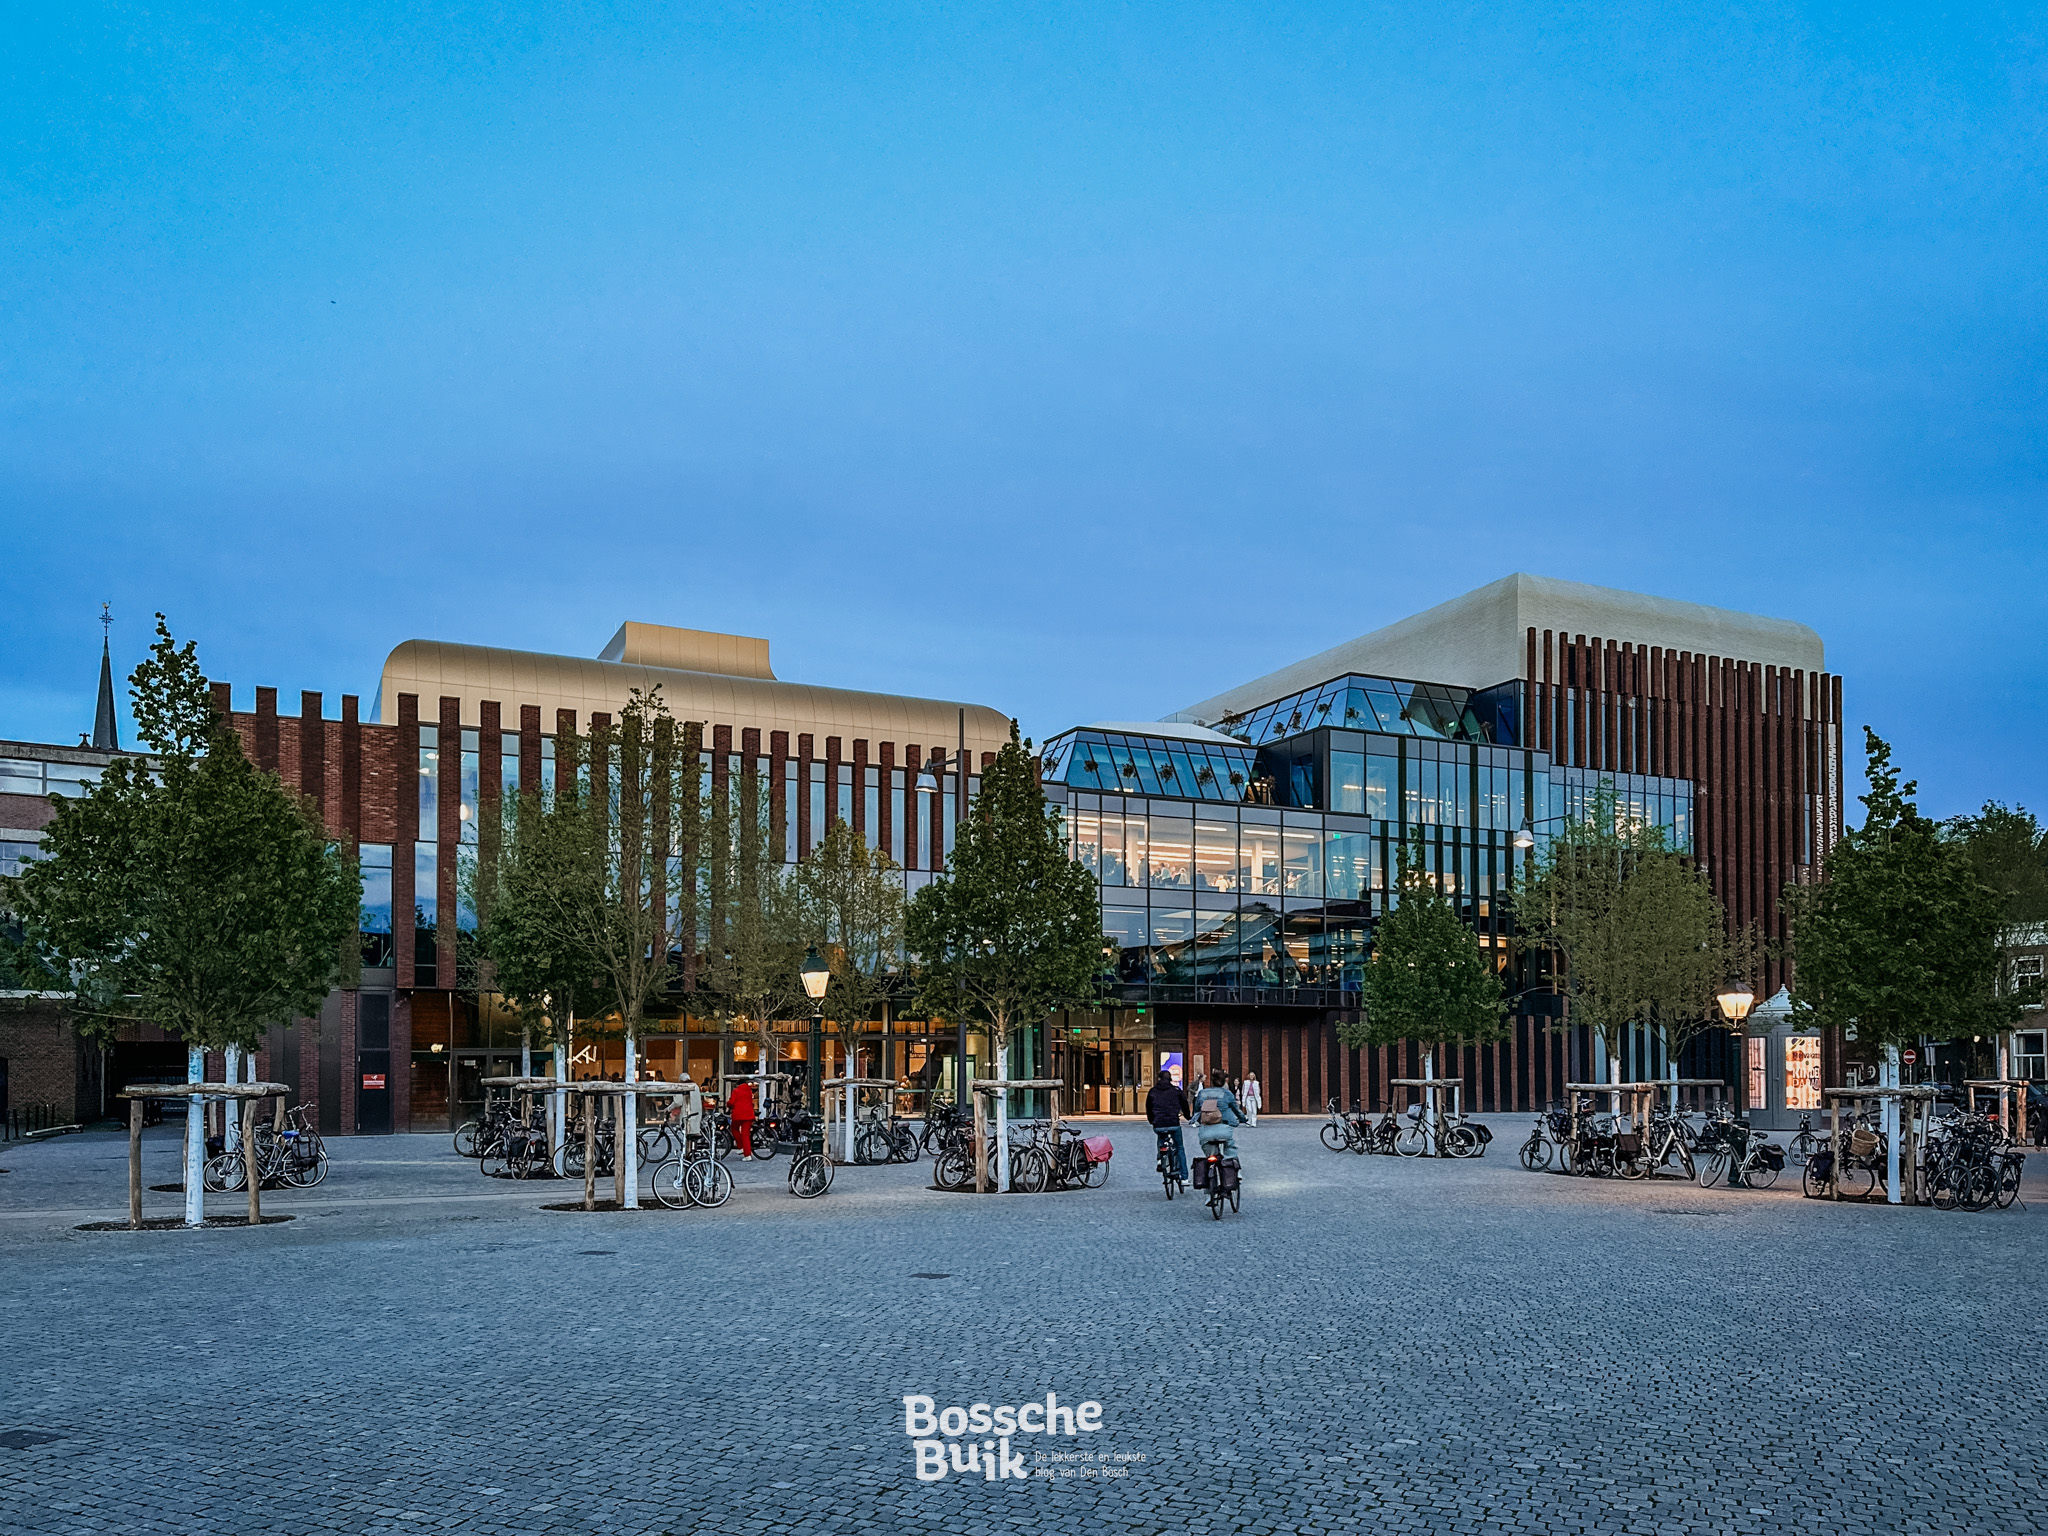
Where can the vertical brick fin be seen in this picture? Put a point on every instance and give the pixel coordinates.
(913, 765)
(885, 833)
(529, 747)
(860, 787)
(351, 767)
(831, 781)
(266, 729)
(778, 789)
(313, 754)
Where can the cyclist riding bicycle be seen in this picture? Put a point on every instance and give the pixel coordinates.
(1165, 1107)
(1217, 1116)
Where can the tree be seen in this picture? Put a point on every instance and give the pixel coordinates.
(1013, 929)
(194, 892)
(2008, 850)
(1635, 925)
(1900, 936)
(754, 935)
(849, 901)
(1427, 980)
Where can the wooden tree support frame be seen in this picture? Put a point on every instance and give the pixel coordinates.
(1916, 1107)
(197, 1096)
(985, 1091)
(848, 1090)
(625, 1124)
(1431, 1087)
(1641, 1096)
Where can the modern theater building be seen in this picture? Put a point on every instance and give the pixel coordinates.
(1244, 848)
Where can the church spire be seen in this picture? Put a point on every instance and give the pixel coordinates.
(106, 736)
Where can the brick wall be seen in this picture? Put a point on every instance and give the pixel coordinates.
(43, 1053)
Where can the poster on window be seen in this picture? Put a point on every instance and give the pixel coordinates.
(1802, 1071)
(1757, 1076)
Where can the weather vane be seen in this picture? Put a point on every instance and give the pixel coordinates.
(107, 621)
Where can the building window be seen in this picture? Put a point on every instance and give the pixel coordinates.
(375, 862)
(508, 765)
(1802, 1071)
(430, 777)
(426, 886)
(1347, 782)
(2030, 1055)
(472, 769)
(871, 791)
(547, 767)
(896, 782)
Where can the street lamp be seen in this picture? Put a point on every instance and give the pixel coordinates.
(816, 976)
(1524, 838)
(1736, 999)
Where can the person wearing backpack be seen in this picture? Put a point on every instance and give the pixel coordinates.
(1217, 1116)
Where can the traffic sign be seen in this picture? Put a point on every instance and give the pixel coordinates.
(1909, 1056)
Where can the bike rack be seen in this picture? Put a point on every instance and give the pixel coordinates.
(198, 1095)
(843, 1095)
(625, 1126)
(1430, 1087)
(1916, 1107)
(985, 1091)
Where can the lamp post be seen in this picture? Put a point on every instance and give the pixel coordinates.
(1736, 999)
(817, 975)
(929, 780)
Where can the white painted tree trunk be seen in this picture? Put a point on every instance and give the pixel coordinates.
(558, 1113)
(526, 1053)
(1002, 1137)
(629, 1106)
(1429, 1103)
(1892, 1194)
(195, 1141)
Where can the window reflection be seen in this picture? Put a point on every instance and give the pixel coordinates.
(1216, 862)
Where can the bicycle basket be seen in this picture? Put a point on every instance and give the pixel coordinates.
(1863, 1144)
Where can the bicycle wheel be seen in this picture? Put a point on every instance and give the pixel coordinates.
(307, 1169)
(765, 1146)
(1097, 1175)
(465, 1139)
(671, 1187)
(1535, 1154)
(1800, 1150)
(1981, 1188)
(1412, 1140)
(655, 1146)
(1858, 1182)
(2009, 1181)
(1030, 1170)
(953, 1169)
(1462, 1141)
(223, 1171)
(1333, 1137)
(809, 1175)
(710, 1182)
(904, 1143)
(494, 1163)
(1713, 1168)
(871, 1145)
(1759, 1174)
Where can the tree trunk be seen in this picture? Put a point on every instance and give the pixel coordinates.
(195, 1141)
(526, 1052)
(558, 1114)
(629, 1130)
(1892, 1194)
(997, 1048)
(1429, 1103)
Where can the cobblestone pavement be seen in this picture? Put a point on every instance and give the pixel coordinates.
(1372, 1345)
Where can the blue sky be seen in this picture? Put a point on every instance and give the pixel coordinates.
(1078, 360)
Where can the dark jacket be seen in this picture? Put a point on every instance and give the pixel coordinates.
(1167, 1106)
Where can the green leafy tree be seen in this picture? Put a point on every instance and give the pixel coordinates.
(849, 901)
(752, 919)
(1900, 936)
(1633, 929)
(195, 893)
(593, 894)
(1013, 929)
(1428, 980)
(2008, 849)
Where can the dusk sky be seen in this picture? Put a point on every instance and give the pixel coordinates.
(1076, 360)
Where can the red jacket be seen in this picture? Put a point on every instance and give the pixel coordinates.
(740, 1103)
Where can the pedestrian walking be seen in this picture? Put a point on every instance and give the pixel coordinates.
(1250, 1097)
(739, 1106)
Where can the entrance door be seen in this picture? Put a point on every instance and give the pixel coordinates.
(373, 1064)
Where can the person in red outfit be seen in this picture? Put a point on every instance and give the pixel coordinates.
(740, 1104)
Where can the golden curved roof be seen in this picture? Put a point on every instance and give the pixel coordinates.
(434, 669)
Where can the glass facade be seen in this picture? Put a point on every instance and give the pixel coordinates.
(1255, 866)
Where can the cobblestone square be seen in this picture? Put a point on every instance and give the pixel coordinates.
(1373, 1344)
